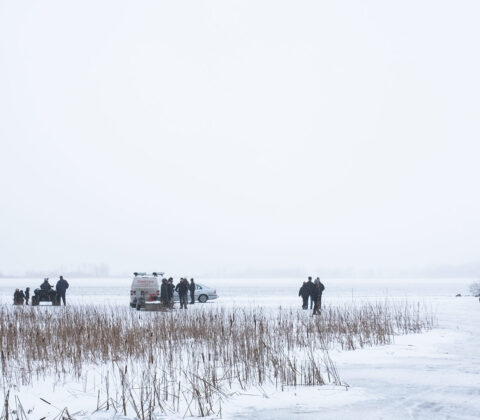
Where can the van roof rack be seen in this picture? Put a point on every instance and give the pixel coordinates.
(158, 273)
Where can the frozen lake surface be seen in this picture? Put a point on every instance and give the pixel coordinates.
(434, 375)
(265, 292)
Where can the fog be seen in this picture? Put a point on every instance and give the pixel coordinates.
(239, 136)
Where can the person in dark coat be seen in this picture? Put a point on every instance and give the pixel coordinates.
(164, 292)
(61, 287)
(15, 296)
(46, 286)
(18, 297)
(314, 296)
(182, 290)
(171, 289)
(310, 288)
(191, 287)
(303, 292)
(321, 289)
(318, 290)
(27, 295)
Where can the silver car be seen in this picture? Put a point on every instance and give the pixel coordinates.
(202, 293)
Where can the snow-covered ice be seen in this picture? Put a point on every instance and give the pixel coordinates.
(433, 375)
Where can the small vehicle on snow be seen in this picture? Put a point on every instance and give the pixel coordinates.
(45, 296)
(202, 293)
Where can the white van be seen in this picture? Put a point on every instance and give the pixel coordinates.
(145, 287)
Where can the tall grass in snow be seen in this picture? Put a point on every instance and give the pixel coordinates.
(189, 362)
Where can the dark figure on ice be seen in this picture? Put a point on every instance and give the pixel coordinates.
(182, 289)
(46, 286)
(18, 297)
(309, 287)
(164, 292)
(191, 287)
(61, 287)
(27, 295)
(303, 292)
(171, 289)
(318, 290)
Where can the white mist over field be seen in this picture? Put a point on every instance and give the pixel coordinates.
(234, 136)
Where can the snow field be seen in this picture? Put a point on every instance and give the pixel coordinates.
(154, 364)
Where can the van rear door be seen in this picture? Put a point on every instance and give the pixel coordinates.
(148, 285)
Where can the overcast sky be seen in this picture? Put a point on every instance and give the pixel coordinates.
(193, 136)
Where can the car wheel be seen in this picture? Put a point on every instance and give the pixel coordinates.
(132, 305)
(202, 298)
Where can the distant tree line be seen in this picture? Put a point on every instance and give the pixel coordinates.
(82, 270)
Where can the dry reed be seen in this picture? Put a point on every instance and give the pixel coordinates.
(189, 362)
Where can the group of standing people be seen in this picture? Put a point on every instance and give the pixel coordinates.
(313, 291)
(20, 297)
(182, 288)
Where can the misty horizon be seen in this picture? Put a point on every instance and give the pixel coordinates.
(211, 138)
(468, 270)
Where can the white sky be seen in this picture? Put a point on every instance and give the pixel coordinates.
(193, 135)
